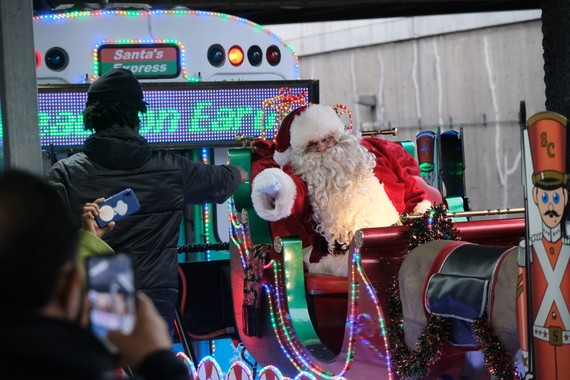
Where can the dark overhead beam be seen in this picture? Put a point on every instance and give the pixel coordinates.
(294, 11)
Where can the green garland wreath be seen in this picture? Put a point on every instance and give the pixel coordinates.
(416, 363)
(434, 225)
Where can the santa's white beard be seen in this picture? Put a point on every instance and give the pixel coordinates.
(343, 190)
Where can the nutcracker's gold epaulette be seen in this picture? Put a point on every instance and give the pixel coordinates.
(535, 237)
(565, 241)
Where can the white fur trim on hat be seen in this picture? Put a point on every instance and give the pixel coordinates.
(316, 122)
(272, 206)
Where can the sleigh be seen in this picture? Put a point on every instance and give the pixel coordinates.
(331, 327)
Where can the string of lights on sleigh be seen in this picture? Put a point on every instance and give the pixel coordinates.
(434, 225)
(280, 321)
(283, 104)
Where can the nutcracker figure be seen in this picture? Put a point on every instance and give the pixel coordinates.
(547, 305)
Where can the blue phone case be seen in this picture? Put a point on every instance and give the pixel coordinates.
(117, 207)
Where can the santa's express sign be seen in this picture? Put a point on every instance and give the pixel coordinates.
(145, 60)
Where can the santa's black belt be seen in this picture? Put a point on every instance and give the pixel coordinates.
(460, 288)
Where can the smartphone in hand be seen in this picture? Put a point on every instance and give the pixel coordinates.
(117, 207)
(111, 293)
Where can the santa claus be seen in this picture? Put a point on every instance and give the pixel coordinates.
(327, 183)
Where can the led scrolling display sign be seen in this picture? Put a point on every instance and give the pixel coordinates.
(179, 114)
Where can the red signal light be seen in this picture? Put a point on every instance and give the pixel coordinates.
(38, 59)
(273, 55)
(235, 55)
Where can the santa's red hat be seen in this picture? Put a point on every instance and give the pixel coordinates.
(304, 124)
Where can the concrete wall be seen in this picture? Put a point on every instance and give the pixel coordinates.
(473, 78)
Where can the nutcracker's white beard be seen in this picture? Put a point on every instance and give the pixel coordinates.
(343, 190)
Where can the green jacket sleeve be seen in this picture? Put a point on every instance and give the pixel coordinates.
(90, 245)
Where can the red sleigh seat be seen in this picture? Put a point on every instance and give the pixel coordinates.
(327, 299)
(321, 284)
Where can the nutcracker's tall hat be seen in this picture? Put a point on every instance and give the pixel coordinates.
(547, 138)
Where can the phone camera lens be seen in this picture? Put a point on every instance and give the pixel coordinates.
(56, 59)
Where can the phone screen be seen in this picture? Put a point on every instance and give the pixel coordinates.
(111, 293)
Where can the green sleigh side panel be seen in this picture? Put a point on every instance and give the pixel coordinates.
(291, 253)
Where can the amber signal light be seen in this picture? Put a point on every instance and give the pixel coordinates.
(235, 55)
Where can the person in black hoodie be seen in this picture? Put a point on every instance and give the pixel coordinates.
(117, 157)
(41, 333)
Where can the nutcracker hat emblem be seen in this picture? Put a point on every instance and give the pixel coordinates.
(547, 138)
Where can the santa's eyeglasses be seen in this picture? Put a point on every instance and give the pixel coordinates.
(321, 145)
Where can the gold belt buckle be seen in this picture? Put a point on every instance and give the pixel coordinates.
(555, 335)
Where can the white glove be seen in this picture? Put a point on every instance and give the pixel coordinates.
(422, 207)
(268, 184)
(273, 194)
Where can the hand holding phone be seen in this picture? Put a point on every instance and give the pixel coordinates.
(117, 207)
(88, 222)
(149, 335)
(111, 293)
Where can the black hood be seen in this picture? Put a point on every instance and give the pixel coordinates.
(117, 147)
